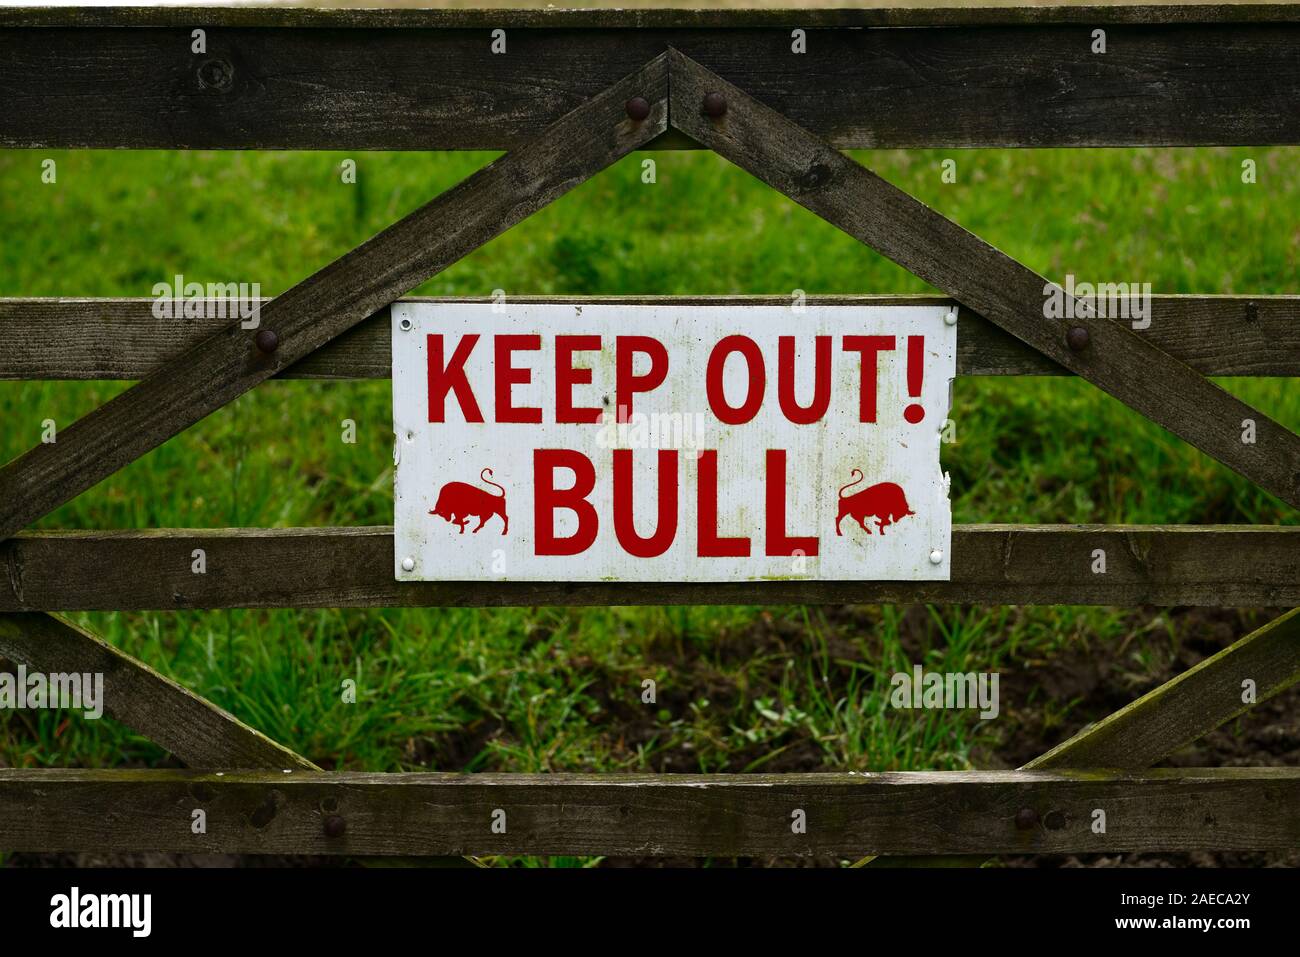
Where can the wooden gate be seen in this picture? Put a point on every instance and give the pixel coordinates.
(579, 90)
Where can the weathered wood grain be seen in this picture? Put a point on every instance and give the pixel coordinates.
(333, 300)
(636, 815)
(368, 80)
(1118, 360)
(173, 717)
(936, 15)
(121, 338)
(353, 567)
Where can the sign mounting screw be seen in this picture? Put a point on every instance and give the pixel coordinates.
(936, 556)
(715, 105)
(1077, 339)
(267, 340)
(408, 564)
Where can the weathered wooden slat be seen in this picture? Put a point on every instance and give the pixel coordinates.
(226, 365)
(687, 815)
(1163, 81)
(1116, 359)
(1189, 706)
(919, 15)
(122, 338)
(1179, 712)
(353, 567)
(173, 717)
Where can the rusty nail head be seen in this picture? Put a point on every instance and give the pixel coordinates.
(1026, 818)
(1077, 339)
(267, 340)
(638, 108)
(335, 826)
(715, 105)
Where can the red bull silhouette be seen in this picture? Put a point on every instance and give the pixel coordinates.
(459, 501)
(885, 502)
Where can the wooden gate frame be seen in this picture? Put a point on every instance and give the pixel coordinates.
(262, 798)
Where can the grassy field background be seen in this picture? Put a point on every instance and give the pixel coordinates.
(740, 689)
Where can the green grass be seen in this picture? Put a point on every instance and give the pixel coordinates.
(560, 689)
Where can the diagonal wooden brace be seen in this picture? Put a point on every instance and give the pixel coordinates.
(388, 265)
(1115, 358)
(189, 726)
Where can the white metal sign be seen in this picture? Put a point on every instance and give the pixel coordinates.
(675, 443)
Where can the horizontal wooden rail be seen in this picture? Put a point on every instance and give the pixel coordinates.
(844, 814)
(121, 338)
(353, 567)
(1218, 75)
(920, 15)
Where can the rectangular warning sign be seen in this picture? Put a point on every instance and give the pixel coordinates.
(676, 443)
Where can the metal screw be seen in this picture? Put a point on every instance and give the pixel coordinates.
(267, 340)
(1026, 818)
(936, 557)
(335, 826)
(1077, 339)
(638, 108)
(715, 105)
(405, 324)
(408, 564)
(950, 317)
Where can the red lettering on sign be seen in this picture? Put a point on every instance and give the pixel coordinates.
(778, 542)
(508, 375)
(665, 524)
(709, 544)
(870, 347)
(566, 377)
(914, 413)
(753, 356)
(547, 498)
(451, 377)
(801, 415)
(627, 383)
